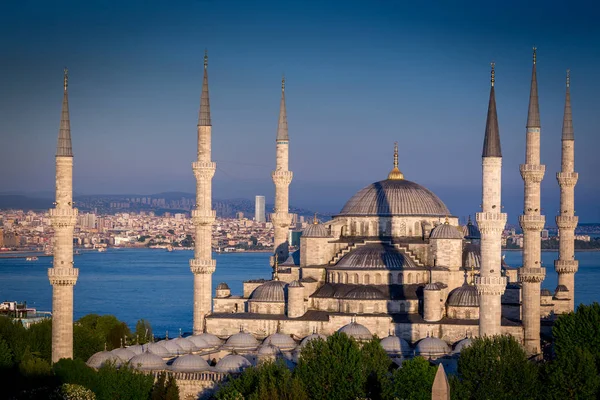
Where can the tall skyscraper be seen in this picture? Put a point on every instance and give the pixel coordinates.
(259, 209)
(62, 275)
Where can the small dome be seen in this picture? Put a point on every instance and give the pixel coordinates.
(376, 256)
(272, 292)
(312, 336)
(187, 345)
(546, 292)
(172, 347)
(562, 288)
(470, 231)
(199, 342)
(356, 331)
(189, 363)
(463, 344)
(283, 342)
(464, 296)
(124, 354)
(471, 256)
(445, 231)
(222, 286)
(267, 350)
(396, 345)
(432, 347)
(136, 349)
(241, 341)
(433, 286)
(97, 360)
(147, 361)
(232, 363)
(315, 231)
(158, 349)
(295, 284)
(364, 293)
(209, 338)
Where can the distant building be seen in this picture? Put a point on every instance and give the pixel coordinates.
(239, 215)
(259, 209)
(545, 234)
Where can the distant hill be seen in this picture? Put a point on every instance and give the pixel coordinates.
(20, 202)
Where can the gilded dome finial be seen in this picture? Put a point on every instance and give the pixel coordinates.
(395, 173)
(66, 78)
(276, 268)
(315, 221)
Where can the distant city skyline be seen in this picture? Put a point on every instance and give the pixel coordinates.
(358, 78)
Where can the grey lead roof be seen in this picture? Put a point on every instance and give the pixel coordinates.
(567, 131)
(282, 127)
(64, 147)
(491, 142)
(204, 115)
(533, 116)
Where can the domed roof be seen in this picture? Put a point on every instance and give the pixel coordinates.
(172, 347)
(396, 345)
(200, 343)
(315, 231)
(189, 363)
(241, 341)
(433, 286)
(187, 345)
(464, 296)
(366, 292)
(266, 350)
(470, 231)
(295, 284)
(545, 292)
(232, 363)
(209, 338)
(284, 342)
(158, 349)
(99, 359)
(394, 197)
(357, 331)
(445, 231)
(471, 256)
(272, 291)
(463, 344)
(562, 288)
(147, 361)
(222, 286)
(376, 256)
(124, 354)
(432, 347)
(136, 349)
(312, 336)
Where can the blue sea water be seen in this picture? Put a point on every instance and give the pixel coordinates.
(157, 285)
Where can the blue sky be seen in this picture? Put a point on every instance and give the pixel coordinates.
(360, 75)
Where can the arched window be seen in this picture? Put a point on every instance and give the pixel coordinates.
(339, 277)
(361, 308)
(417, 228)
(366, 279)
(378, 279)
(345, 277)
(390, 278)
(331, 277)
(468, 314)
(400, 280)
(410, 278)
(356, 278)
(402, 308)
(376, 308)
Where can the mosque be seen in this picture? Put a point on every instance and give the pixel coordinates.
(393, 263)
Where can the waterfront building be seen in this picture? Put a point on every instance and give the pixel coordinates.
(259, 209)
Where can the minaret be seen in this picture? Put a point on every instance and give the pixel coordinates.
(282, 177)
(491, 221)
(531, 274)
(203, 216)
(62, 275)
(566, 265)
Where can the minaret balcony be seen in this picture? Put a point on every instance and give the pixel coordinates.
(282, 177)
(567, 222)
(63, 276)
(531, 275)
(532, 172)
(490, 285)
(203, 266)
(491, 222)
(63, 217)
(204, 170)
(567, 179)
(566, 266)
(282, 219)
(203, 217)
(532, 222)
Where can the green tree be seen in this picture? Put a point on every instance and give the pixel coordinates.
(159, 392)
(578, 329)
(171, 389)
(124, 383)
(376, 364)
(411, 382)
(572, 376)
(497, 368)
(39, 337)
(143, 331)
(75, 372)
(332, 369)
(6, 357)
(85, 342)
(15, 335)
(32, 366)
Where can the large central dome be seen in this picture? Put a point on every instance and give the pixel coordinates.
(395, 197)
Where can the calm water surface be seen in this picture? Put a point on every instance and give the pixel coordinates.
(157, 285)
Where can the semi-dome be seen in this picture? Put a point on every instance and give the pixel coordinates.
(315, 231)
(545, 292)
(158, 349)
(295, 284)
(222, 286)
(272, 291)
(445, 231)
(464, 296)
(471, 231)
(232, 363)
(97, 360)
(432, 347)
(209, 338)
(366, 292)
(200, 343)
(376, 256)
(312, 336)
(393, 197)
(189, 363)
(172, 347)
(463, 344)
(356, 331)
(147, 361)
(284, 342)
(433, 286)
(267, 350)
(471, 256)
(187, 345)
(241, 341)
(396, 345)
(136, 349)
(124, 354)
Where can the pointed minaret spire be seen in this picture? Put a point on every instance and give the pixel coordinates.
(204, 116)
(491, 142)
(533, 116)
(282, 128)
(64, 148)
(395, 173)
(567, 132)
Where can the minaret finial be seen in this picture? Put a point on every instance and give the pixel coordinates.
(205, 58)
(395, 173)
(66, 78)
(568, 78)
(315, 220)
(276, 268)
(493, 64)
(395, 154)
(204, 113)
(533, 115)
(534, 54)
(491, 141)
(283, 83)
